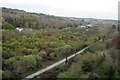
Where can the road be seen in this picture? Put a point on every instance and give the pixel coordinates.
(53, 65)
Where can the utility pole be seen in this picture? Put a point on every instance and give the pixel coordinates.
(75, 51)
(66, 56)
(66, 62)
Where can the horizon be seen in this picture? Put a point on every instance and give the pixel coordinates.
(108, 10)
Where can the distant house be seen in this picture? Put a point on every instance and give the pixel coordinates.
(89, 25)
(19, 29)
(23, 29)
(82, 26)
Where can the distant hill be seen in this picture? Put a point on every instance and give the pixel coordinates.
(21, 18)
(13, 18)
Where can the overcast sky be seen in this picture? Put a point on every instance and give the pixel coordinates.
(103, 9)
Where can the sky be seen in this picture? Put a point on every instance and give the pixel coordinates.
(102, 9)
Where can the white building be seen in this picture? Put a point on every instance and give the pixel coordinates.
(19, 29)
(23, 29)
(82, 26)
(89, 25)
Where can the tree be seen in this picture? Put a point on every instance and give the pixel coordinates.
(113, 26)
(26, 25)
(8, 26)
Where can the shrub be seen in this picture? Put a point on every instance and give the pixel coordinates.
(9, 63)
(92, 76)
(106, 72)
(38, 60)
(88, 60)
(12, 53)
(7, 74)
(29, 62)
(43, 54)
(110, 72)
(87, 66)
(54, 44)
(35, 51)
(20, 64)
(8, 26)
(92, 39)
(14, 64)
(9, 54)
(101, 46)
(68, 74)
(100, 56)
(29, 51)
(52, 55)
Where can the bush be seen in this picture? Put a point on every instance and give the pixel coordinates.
(35, 51)
(8, 26)
(68, 74)
(29, 51)
(110, 72)
(100, 56)
(38, 60)
(14, 64)
(92, 39)
(87, 66)
(9, 54)
(20, 64)
(52, 55)
(106, 72)
(9, 63)
(101, 46)
(88, 60)
(43, 54)
(54, 44)
(29, 62)
(7, 74)
(92, 76)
